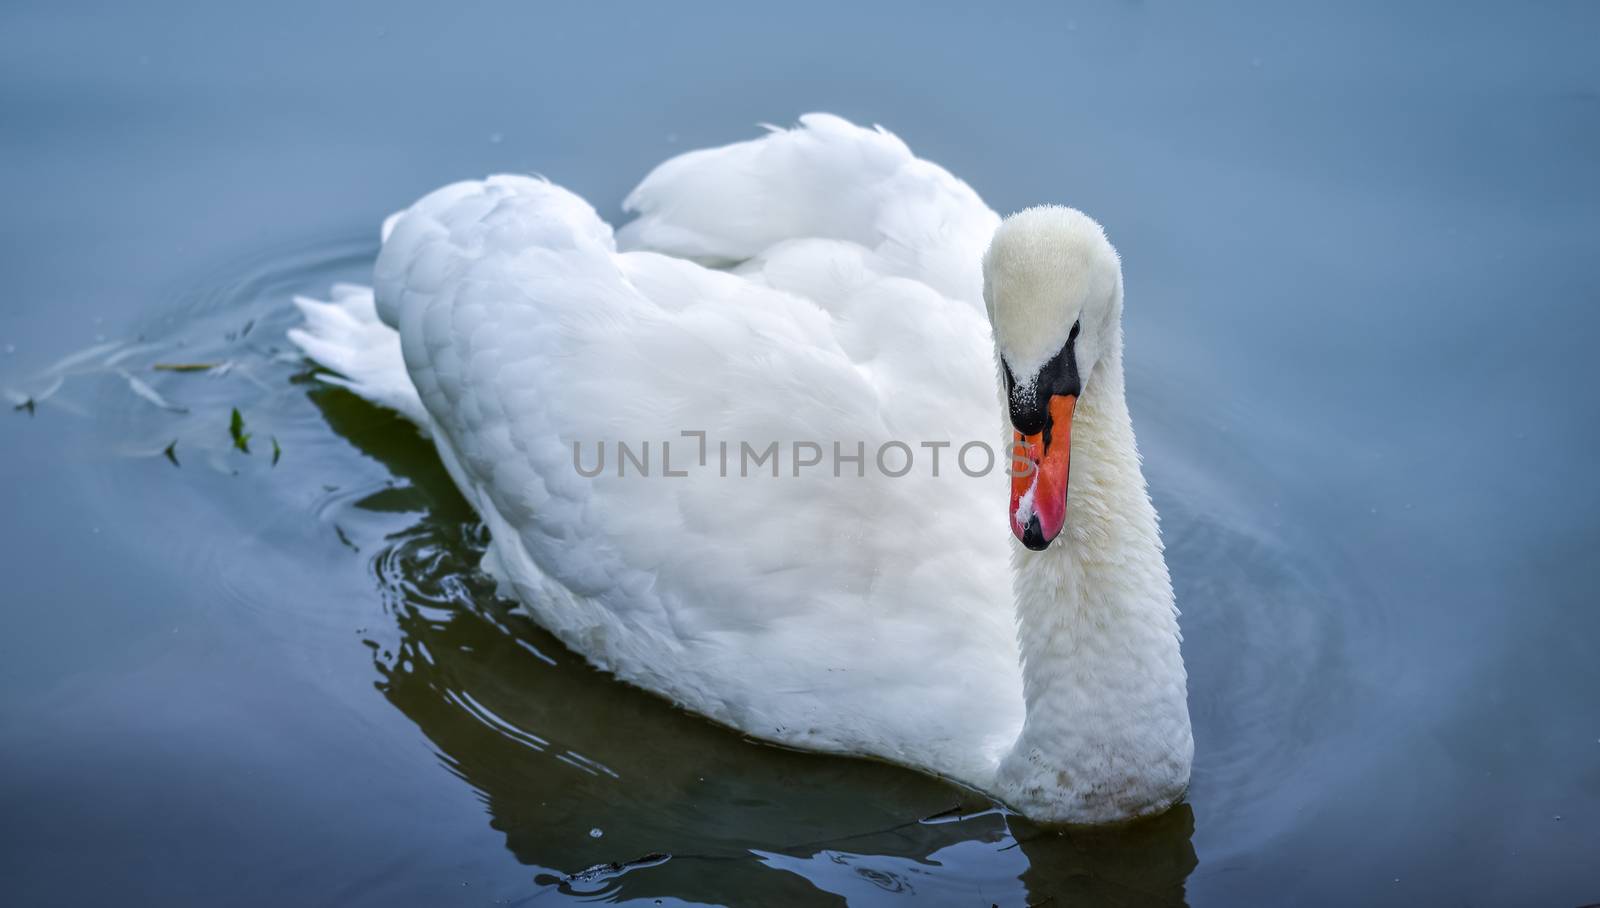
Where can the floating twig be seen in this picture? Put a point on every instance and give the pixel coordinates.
(186, 367)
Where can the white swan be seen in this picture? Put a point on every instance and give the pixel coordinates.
(819, 285)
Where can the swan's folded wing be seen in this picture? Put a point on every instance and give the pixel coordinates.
(532, 342)
(825, 179)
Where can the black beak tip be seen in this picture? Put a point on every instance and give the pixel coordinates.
(1033, 537)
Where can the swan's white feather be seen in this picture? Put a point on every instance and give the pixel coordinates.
(344, 335)
(832, 614)
(828, 179)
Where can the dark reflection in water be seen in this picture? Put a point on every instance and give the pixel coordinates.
(683, 808)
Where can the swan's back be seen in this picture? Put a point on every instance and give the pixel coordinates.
(862, 615)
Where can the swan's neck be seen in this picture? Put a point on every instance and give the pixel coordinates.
(1106, 735)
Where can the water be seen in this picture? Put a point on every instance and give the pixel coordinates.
(1359, 249)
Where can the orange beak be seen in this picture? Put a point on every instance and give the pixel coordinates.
(1039, 496)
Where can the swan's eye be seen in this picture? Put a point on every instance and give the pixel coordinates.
(1057, 378)
(1063, 369)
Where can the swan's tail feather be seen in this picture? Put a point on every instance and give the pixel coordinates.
(345, 335)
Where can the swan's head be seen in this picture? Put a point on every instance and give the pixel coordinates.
(1053, 287)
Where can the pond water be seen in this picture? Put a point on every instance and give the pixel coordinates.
(1360, 257)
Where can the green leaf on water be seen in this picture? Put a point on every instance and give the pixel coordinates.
(277, 452)
(171, 451)
(185, 367)
(241, 438)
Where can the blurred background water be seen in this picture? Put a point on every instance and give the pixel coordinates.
(1360, 247)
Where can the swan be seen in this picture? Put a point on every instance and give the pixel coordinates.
(820, 296)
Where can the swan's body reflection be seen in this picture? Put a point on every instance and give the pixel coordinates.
(684, 808)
